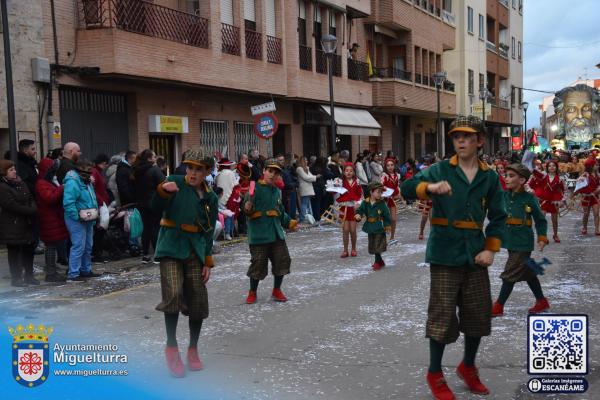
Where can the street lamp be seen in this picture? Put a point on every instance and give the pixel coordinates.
(10, 97)
(484, 94)
(525, 105)
(439, 78)
(329, 44)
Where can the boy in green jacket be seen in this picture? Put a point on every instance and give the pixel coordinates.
(464, 191)
(266, 218)
(377, 224)
(522, 207)
(189, 213)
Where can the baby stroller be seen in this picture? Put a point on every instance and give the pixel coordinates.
(116, 240)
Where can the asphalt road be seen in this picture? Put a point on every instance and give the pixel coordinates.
(346, 332)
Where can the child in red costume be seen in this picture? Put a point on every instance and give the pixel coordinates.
(549, 188)
(391, 180)
(590, 195)
(348, 201)
(500, 170)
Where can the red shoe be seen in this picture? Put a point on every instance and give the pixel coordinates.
(470, 375)
(439, 387)
(251, 299)
(497, 310)
(278, 295)
(541, 305)
(174, 361)
(193, 359)
(344, 254)
(377, 266)
(353, 253)
(584, 231)
(556, 238)
(421, 237)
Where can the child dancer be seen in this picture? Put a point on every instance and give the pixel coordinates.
(522, 207)
(590, 195)
(377, 223)
(550, 190)
(390, 179)
(347, 202)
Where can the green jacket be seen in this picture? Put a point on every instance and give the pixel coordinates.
(378, 213)
(521, 208)
(184, 212)
(262, 227)
(470, 203)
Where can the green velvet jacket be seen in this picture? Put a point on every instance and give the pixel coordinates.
(267, 218)
(523, 207)
(181, 211)
(469, 203)
(378, 211)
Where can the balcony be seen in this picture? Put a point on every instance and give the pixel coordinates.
(392, 73)
(337, 65)
(404, 96)
(305, 54)
(503, 50)
(144, 18)
(321, 61)
(358, 70)
(230, 37)
(491, 46)
(504, 3)
(449, 86)
(274, 50)
(253, 45)
(448, 18)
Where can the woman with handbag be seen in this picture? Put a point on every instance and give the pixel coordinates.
(18, 209)
(81, 212)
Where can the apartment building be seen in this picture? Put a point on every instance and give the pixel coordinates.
(487, 64)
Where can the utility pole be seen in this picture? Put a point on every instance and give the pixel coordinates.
(10, 96)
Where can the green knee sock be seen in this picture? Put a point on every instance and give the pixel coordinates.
(436, 352)
(471, 346)
(536, 288)
(505, 291)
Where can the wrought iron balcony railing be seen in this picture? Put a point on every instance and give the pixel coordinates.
(143, 17)
(230, 39)
(253, 45)
(305, 54)
(321, 61)
(393, 73)
(274, 50)
(358, 70)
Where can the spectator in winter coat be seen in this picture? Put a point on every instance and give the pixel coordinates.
(125, 179)
(334, 165)
(321, 200)
(71, 153)
(255, 164)
(53, 231)
(376, 168)
(289, 194)
(26, 164)
(147, 176)
(78, 201)
(111, 178)
(361, 175)
(181, 168)
(306, 190)
(99, 184)
(225, 179)
(16, 224)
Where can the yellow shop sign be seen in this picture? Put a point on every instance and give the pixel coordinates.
(168, 124)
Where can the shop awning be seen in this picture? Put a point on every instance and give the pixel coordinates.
(352, 121)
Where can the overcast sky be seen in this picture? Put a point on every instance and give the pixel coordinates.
(561, 39)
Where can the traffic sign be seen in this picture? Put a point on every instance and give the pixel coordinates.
(265, 125)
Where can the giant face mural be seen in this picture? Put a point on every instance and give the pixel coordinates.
(578, 110)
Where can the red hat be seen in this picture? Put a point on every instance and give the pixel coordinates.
(389, 159)
(590, 162)
(348, 164)
(225, 162)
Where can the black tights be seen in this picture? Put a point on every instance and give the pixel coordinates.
(171, 325)
(277, 280)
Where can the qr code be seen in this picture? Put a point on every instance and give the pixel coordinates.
(557, 344)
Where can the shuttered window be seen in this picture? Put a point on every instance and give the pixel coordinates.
(213, 137)
(227, 12)
(270, 17)
(249, 13)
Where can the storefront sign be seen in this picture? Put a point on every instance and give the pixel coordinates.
(516, 131)
(168, 124)
(265, 125)
(263, 108)
(517, 143)
(56, 131)
(476, 110)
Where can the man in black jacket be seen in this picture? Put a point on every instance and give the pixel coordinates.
(26, 164)
(257, 165)
(125, 179)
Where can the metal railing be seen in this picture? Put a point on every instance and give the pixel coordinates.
(337, 65)
(253, 45)
(305, 54)
(491, 46)
(418, 78)
(230, 37)
(358, 70)
(143, 17)
(448, 17)
(503, 103)
(449, 86)
(321, 61)
(273, 49)
(503, 51)
(394, 73)
(425, 80)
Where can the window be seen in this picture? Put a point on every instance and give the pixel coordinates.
(302, 22)
(332, 26)
(512, 47)
(520, 96)
(245, 139)
(514, 4)
(249, 15)
(481, 81)
(270, 17)
(227, 12)
(214, 137)
(520, 6)
(481, 27)
(512, 96)
(469, 20)
(520, 51)
(471, 81)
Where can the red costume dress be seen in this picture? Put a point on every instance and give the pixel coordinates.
(392, 182)
(348, 200)
(589, 198)
(549, 191)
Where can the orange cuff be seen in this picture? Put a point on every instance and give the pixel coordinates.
(209, 262)
(293, 224)
(162, 192)
(422, 191)
(542, 238)
(492, 244)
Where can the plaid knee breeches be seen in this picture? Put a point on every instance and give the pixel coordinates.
(183, 288)
(260, 254)
(466, 287)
